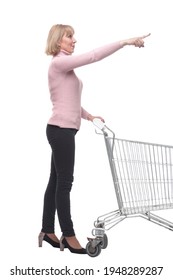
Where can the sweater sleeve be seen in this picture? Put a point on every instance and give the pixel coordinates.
(66, 63)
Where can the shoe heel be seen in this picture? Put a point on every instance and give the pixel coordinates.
(61, 244)
(40, 239)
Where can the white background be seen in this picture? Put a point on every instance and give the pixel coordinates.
(131, 89)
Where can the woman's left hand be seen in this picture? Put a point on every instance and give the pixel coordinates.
(91, 118)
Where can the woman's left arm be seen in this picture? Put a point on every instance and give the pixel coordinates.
(87, 116)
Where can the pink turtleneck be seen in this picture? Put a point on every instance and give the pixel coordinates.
(66, 88)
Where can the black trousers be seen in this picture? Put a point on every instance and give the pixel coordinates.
(57, 194)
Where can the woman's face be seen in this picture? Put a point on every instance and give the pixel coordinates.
(68, 43)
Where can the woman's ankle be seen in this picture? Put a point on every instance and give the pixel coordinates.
(73, 242)
(53, 236)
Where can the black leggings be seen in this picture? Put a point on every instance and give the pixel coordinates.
(57, 195)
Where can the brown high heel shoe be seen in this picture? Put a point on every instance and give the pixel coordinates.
(64, 244)
(43, 236)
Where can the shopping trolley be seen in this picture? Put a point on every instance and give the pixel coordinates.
(143, 179)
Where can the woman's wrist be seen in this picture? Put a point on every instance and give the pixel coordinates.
(127, 42)
(123, 43)
(90, 117)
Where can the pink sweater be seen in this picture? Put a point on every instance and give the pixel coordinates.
(65, 87)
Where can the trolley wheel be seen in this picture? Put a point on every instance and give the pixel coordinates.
(104, 242)
(93, 251)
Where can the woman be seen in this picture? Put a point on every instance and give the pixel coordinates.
(65, 93)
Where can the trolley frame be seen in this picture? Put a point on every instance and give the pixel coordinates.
(143, 180)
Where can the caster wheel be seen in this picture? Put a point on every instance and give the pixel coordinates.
(104, 242)
(93, 251)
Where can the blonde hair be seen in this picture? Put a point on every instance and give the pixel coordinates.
(55, 36)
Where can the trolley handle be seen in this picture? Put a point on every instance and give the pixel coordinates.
(102, 126)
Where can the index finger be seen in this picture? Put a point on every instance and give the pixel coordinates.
(145, 36)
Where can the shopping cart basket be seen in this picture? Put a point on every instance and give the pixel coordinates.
(143, 179)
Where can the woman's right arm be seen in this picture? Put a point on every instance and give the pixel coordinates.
(70, 62)
(67, 62)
